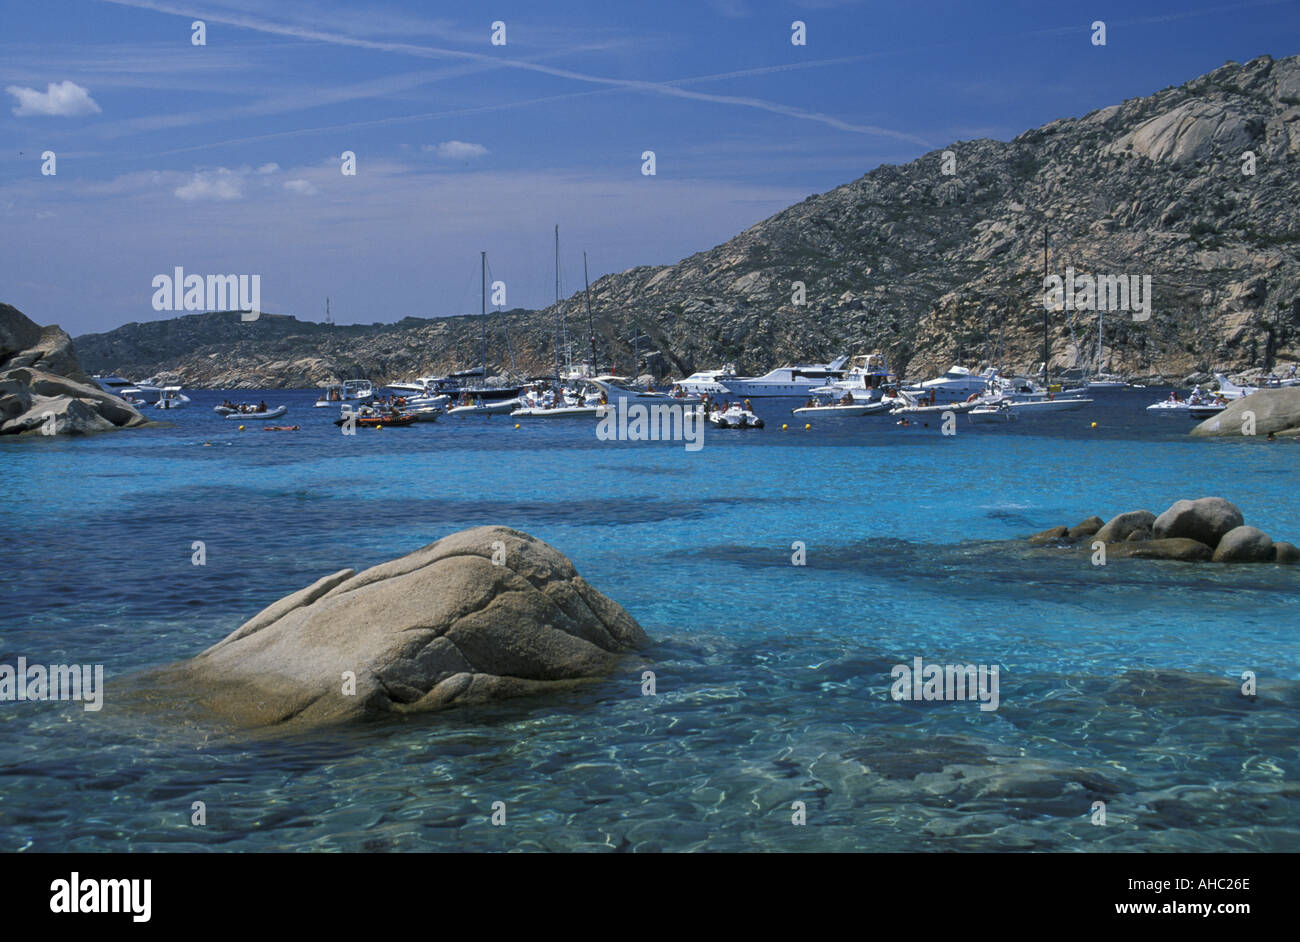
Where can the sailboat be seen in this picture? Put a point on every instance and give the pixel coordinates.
(484, 399)
(558, 402)
(1100, 380)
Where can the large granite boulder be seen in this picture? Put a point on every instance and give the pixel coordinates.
(1276, 410)
(1119, 527)
(481, 615)
(44, 391)
(1205, 520)
(1244, 545)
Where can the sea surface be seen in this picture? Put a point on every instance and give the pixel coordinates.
(1119, 684)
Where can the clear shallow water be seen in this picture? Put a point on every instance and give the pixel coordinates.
(1117, 682)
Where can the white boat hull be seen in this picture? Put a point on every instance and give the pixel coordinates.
(862, 408)
(258, 416)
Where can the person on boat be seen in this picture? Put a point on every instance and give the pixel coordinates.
(810, 404)
(749, 408)
(261, 406)
(846, 401)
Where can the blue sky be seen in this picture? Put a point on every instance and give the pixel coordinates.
(225, 158)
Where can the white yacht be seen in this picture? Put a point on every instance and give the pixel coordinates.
(958, 384)
(708, 382)
(136, 393)
(787, 380)
(352, 390)
(867, 380)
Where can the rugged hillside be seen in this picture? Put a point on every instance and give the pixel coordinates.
(931, 267)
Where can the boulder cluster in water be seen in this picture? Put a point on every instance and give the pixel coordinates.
(1210, 528)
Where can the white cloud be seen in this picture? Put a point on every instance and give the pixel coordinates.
(63, 99)
(219, 184)
(268, 168)
(456, 150)
(302, 187)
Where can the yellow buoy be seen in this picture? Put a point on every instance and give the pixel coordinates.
(807, 426)
(784, 426)
(1094, 424)
(516, 425)
(241, 428)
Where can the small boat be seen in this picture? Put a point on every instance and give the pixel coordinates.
(1177, 406)
(485, 407)
(735, 417)
(989, 413)
(352, 390)
(847, 408)
(425, 413)
(171, 397)
(373, 419)
(936, 409)
(253, 416)
(1207, 409)
(1035, 406)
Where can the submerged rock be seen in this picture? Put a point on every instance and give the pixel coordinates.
(441, 626)
(1177, 548)
(1085, 528)
(1050, 535)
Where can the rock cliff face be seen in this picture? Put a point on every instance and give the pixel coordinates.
(44, 391)
(1195, 186)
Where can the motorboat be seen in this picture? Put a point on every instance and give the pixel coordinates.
(1176, 405)
(868, 379)
(352, 390)
(484, 407)
(256, 414)
(735, 417)
(1037, 406)
(1026, 389)
(708, 382)
(957, 384)
(369, 417)
(1103, 382)
(1205, 410)
(787, 381)
(853, 408)
(171, 397)
(989, 413)
(542, 402)
(144, 393)
(621, 388)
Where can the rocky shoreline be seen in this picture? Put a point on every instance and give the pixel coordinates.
(43, 389)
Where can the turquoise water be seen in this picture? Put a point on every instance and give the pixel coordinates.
(1118, 683)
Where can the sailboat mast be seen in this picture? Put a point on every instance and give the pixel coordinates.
(558, 315)
(1100, 308)
(591, 329)
(1046, 347)
(483, 318)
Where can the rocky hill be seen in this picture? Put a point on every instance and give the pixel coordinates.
(930, 266)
